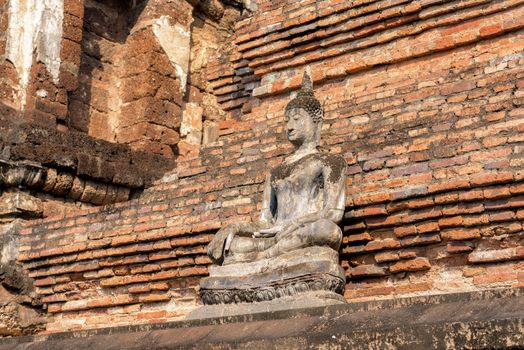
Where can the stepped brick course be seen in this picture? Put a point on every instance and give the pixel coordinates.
(425, 101)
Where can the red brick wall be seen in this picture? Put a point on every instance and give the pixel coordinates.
(89, 104)
(118, 83)
(130, 92)
(151, 94)
(423, 102)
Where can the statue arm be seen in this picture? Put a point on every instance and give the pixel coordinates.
(222, 240)
(335, 194)
(268, 203)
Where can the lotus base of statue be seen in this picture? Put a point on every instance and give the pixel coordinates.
(311, 269)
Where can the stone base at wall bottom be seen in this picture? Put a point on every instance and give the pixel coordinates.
(490, 319)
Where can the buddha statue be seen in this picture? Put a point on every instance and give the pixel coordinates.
(303, 202)
(304, 198)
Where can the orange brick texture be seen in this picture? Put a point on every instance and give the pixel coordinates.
(424, 99)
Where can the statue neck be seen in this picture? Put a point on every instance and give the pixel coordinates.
(303, 150)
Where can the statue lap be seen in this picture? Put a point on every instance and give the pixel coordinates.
(304, 262)
(322, 232)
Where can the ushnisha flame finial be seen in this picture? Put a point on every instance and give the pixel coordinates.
(306, 99)
(307, 84)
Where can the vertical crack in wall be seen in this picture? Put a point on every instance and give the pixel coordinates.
(34, 25)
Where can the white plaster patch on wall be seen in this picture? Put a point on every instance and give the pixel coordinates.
(50, 36)
(175, 41)
(191, 126)
(34, 25)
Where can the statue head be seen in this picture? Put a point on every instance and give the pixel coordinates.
(303, 115)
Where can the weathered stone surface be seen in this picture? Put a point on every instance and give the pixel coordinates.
(494, 320)
(303, 300)
(9, 325)
(20, 204)
(151, 110)
(11, 272)
(17, 320)
(211, 133)
(60, 184)
(32, 154)
(175, 41)
(191, 126)
(19, 307)
(49, 147)
(33, 29)
(24, 173)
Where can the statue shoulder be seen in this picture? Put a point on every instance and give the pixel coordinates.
(333, 160)
(281, 171)
(337, 165)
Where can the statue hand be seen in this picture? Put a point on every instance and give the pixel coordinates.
(215, 249)
(293, 226)
(267, 232)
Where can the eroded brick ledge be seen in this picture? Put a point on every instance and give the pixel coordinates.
(72, 164)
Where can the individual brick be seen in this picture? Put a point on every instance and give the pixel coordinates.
(496, 255)
(386, 257)
(403, 231)
(388, 243)
(420, 240)
(460, 234)
(417, 264)
(459, 247)
(363, 271)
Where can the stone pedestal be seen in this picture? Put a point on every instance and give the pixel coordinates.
(313, 270)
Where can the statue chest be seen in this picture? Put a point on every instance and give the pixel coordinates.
(301, 178)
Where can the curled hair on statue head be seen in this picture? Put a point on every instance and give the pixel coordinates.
(306, 100)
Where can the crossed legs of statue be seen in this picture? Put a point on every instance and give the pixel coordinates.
(319, 233)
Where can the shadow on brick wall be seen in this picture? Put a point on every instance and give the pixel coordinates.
(106, 27)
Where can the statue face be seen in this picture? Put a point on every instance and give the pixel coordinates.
(300, 127)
